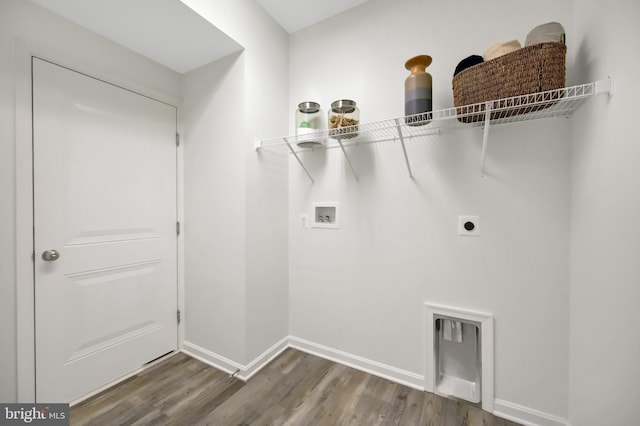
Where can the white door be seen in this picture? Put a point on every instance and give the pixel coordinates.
(105, 201)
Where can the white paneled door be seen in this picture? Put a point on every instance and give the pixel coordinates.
(104, 231)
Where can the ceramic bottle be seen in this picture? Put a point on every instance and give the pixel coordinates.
(417, 91)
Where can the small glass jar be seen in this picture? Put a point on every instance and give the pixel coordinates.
(344, 118)
(309, 119)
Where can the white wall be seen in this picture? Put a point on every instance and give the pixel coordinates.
(214, 194)
(27, 26)
(361, 289)
(605, 272)
(8, 384)
(237, 302)
(251, 188)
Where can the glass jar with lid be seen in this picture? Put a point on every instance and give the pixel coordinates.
(344, 117)
(309, 123)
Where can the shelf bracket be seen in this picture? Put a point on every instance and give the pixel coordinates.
(293, 151)
(347, 158)
(604, 86)
(485, 137)
(404, 148)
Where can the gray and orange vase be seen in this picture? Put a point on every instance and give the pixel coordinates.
(418, 98)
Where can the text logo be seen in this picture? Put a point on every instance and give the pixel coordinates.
(34, 414)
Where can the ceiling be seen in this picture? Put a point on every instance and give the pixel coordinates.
(176, 36)
(173, 35)
(294, 15)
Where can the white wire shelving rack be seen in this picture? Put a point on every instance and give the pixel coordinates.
(553, 103)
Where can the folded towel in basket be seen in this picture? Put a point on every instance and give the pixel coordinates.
(549, 32)
(500, 49)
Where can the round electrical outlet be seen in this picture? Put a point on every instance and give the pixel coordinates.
(469, 226)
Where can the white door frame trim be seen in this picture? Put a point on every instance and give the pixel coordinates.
(25, 295)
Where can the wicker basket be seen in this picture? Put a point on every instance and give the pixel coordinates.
(532, 69)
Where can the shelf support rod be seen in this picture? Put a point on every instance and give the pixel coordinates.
(298, 158)
(347, 158)
(485, 137)
(404, 148)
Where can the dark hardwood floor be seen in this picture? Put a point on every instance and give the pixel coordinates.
(294, 389)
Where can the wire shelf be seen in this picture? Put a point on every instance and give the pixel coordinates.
(553, 103)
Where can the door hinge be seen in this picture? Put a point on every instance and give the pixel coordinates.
(179, 316)
(178, 228)
(177, 139)
(33, 256)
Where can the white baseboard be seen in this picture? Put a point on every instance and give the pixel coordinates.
(211, 358)
(265, 358)
(505, 409)
(525, 415)
(242, 372)
(397, 375)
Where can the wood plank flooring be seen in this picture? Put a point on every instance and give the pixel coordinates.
(294, 389)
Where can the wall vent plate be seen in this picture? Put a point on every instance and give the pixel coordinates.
(469, 226)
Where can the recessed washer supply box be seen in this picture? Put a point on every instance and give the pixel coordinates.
(325, 215)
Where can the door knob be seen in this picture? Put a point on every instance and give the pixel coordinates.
(50, 255)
